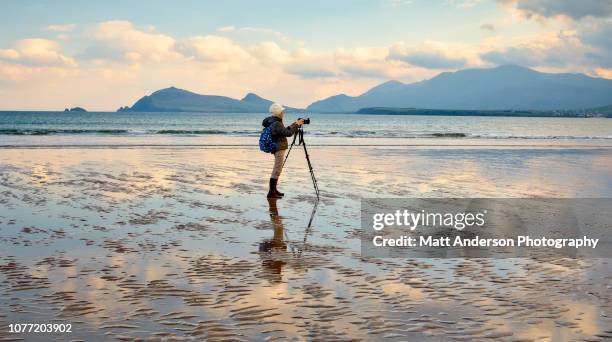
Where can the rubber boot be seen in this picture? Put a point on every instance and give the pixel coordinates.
(281, 194)
(272, 192)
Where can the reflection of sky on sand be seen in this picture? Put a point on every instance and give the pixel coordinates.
(169, 241)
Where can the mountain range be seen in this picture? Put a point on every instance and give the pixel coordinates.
(504, 87)
(179, 100)
(507, 87)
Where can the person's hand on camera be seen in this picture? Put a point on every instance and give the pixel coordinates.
(299, 122)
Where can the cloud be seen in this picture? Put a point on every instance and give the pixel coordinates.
(487, 27)
(269, 53)
(119, 39)
(605, 73)
(37, 52)
(13, 72)
(464, 3)
(431, 60)
(585, 43)
(32, 76)
(61, 28)
(306, 64)
(369, 62)
(346, 63)
(515, 55)
(556, 49)
(307, 70)
(575, 9)
(216, 49)
(598, 35)
(260, 30)
(430, 55)
(9, 54)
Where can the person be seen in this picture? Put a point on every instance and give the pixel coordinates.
(273, 251)
(279, 134)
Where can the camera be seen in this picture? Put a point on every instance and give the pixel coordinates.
(306, 121)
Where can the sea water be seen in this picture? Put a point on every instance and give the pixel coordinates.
(242, 129)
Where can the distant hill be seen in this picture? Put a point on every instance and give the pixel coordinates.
(508, 87)
(178, 100)
(570, 113)
(75, 109)
(605, 111)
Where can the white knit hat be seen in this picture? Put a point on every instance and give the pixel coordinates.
(276, 109)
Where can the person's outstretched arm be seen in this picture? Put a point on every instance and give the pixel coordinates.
(280, 130)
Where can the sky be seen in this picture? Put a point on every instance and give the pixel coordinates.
(105, 54)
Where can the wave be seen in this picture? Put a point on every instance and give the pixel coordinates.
(252, 133)
(553, 137)
(45, 131)
(53, 131)
(402, 135)
(182, 131)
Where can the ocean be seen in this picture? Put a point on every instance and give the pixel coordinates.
(242, 129)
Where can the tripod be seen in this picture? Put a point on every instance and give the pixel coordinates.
(300, 134)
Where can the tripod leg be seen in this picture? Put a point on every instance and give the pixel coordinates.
(287, 156)
(290, 147)
(312, 175)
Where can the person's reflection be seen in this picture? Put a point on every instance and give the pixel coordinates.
(273, 250)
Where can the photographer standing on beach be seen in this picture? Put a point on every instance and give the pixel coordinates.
(277, 134)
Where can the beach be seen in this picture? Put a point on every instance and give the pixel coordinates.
(135, 242)
(448, 175)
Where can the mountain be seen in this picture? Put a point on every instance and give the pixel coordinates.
(75, 109)
(256, 100)
(507, 87)
(179, 100)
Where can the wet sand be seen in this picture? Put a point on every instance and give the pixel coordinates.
(134, 243)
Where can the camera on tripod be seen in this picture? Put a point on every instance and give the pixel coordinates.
(299, 136)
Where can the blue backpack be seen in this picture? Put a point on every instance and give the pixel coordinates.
(266, 143)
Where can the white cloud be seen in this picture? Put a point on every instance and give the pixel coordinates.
(344, 63)
(369, 62)
(37, 51)
(434, 55)
(61, 27)
(553, 49)
(257, 30)
(226, 29)
(269, 53)
(14, 72)
(216, 49)
(119, 39)
(307, 64)
(9, 54)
